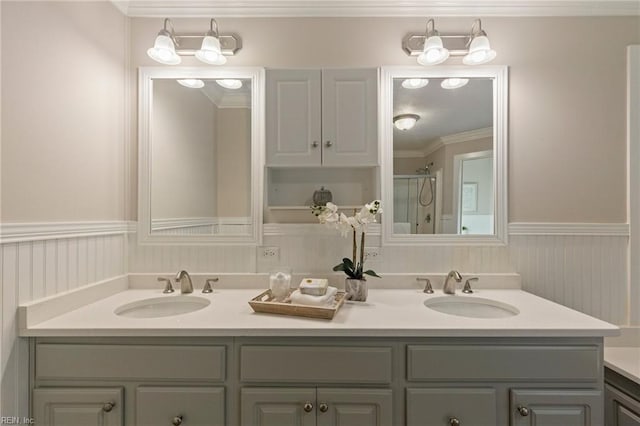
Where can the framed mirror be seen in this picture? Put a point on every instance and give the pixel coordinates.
(444, 155)
(200, 158)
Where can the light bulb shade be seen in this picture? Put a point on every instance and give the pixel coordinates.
(480, 51)
(210, 52)
(230, 83)
(414, 83)
(454, 83)
(434, 53)
(164, 51)
(192, 83)
(405, 121)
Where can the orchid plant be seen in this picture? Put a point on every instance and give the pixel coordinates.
(328, 215)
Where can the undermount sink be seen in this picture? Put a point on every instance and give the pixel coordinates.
(472, 307)
(166, 306)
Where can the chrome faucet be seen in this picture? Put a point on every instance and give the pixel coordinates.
(186, 286)
(450, 286)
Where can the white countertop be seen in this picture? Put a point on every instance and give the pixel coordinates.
(624, 361)
(387, 312)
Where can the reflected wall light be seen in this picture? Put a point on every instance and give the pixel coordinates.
(432, 48)
(405, 121)
(230, 83)
(191, 83)
(414, 83)
(454, 83)
(211, 48)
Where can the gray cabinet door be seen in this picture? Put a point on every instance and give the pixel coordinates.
(188, 406)
(278, 407)
(78, 406)
(556, 407)
(350, 117)
(620, 408)
(293, 122)
(442, 406)
(354, 407)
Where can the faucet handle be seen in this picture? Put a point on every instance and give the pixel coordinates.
(208, 287)
(427, 287)
(167, 288)
(467, 285)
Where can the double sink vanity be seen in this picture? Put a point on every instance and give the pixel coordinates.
(123, 352)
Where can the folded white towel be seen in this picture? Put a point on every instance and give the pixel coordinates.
(307, 299)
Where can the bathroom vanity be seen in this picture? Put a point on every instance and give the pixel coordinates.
(388, 361)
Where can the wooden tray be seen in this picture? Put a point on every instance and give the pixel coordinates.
(264, 303)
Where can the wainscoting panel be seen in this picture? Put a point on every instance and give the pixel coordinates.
(585, 273)
(31, 269)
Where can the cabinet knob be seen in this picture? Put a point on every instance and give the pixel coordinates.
(328, 144)
(177, 421)
(524, 411)
(323, 407)
(453, 421)
(308, 407)
(108, 406)
(314, 144)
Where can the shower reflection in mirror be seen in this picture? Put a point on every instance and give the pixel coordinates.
(443, 177)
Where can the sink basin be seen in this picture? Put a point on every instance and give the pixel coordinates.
(162, 306)
(472, 307)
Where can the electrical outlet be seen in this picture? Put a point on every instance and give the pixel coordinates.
(270, 253)
(372, 254)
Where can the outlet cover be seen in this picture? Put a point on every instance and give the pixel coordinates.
(372, 254)
(270, 253)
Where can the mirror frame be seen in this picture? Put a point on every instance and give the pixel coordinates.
(145, 103)
(500, 129)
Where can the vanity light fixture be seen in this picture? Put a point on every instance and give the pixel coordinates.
(480, 51)
(434, 52)
(432, 48)
(414, 83)
(192, 83)
(164, 48)
(211, 48)
(230, 83)
(210, 52)
(454, 83)
(405, 121)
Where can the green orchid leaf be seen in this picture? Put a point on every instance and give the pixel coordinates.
(371, 273)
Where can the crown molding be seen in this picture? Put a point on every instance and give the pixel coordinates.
(372, 8)
(18, 232)
(587, 229)
(467, 136)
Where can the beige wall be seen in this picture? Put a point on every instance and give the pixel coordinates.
(566, 109)
(184, 152)
(233, 165)
(63, 116)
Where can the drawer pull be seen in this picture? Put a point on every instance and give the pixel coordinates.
(108, 406)
(177, 421)
(453, 421)
(524, 411)
(323, 407)
(308, 407)
(328, 144)
(314, 144)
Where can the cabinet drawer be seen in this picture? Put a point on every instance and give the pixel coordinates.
(315, 364)
(191, 405)
(518, 363)
(78, 406)
(130, 362)
(439, 406)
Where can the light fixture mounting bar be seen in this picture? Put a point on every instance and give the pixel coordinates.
(187, 44)
(458, 44)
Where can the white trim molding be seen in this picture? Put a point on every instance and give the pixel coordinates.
(302, 229)
(362, 8)
(18, 232)
(591, 229)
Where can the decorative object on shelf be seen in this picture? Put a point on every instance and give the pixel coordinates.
(433, 48)
(279, 283)
(322, 196)
(355, 284)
